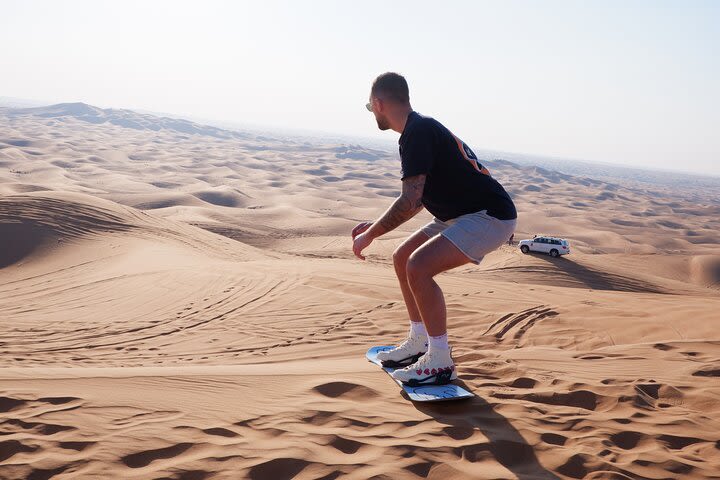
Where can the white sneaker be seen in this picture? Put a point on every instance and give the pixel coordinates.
(404, 354)
(433, 368)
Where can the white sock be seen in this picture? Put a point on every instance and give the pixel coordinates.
(417, 329)
(439, 343)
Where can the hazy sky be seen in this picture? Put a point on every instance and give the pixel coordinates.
(624, 82)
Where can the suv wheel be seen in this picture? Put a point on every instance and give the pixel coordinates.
(554, 253)
(524, 249)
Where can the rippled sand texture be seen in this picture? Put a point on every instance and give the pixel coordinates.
(179, 301)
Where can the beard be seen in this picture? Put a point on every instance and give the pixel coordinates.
(382, 123)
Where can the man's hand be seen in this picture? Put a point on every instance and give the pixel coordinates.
(403, 209)
(360, 228)
(360, 243)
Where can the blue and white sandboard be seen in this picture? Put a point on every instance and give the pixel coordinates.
(423, 393)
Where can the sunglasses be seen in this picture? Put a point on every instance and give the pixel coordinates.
(369, 106)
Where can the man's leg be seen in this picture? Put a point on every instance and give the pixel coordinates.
(435, 256)
(400, 260)
(416, 343)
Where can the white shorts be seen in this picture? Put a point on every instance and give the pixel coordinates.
(474, 234)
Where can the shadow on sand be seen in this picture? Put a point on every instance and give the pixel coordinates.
(565, 271)
(465, 417)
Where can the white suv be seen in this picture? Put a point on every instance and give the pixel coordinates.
(551, 245)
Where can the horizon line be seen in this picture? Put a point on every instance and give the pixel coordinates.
(301, 133)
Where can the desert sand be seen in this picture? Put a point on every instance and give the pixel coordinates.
(180, 301)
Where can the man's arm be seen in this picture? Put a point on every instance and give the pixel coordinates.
(406, 206)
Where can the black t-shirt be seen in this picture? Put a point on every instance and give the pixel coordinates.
(456, 182)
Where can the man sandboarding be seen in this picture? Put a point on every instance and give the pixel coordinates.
(474, 215)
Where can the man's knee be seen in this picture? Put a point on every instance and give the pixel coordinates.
(400, 256)
(415, 269)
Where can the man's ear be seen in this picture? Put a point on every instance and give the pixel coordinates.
(380, 105)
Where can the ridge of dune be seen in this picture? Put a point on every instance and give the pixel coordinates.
(705, 270)
(38, 222)
(122, 118)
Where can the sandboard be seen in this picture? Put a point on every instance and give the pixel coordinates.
(423, 393)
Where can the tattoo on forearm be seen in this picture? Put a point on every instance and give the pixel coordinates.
(406, 206)
(413, 189)
(400, 212)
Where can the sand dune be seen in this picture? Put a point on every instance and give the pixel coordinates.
(123, 118)
(705, 270)
(183, 303)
